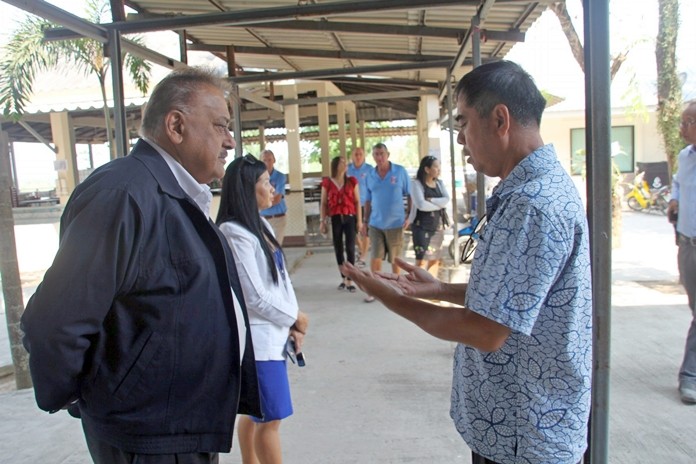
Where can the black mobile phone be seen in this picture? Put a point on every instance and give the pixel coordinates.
(294, 357)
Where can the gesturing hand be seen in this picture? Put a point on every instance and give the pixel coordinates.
(417, 281)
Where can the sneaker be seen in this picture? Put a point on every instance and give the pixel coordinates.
(688, 394)
(360, 264)
(369, 299)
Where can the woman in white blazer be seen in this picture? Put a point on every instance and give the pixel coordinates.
(270, 300)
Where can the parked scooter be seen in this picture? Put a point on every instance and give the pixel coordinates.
(642, 198)
(468, 237)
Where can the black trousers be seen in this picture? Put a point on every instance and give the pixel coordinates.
(104, 453)
(478, 459)
(343, 226)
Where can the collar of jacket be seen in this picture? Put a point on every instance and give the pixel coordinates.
(159, 169)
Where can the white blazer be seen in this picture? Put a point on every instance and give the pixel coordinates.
(272, 307)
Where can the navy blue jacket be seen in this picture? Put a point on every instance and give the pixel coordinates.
(135, 317)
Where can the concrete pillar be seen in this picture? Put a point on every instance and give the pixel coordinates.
(341, 121)
(294, 198)
(352, 117)
(323, 118)
(361, 129)
(262, 138)
(65, 164)
(428, 124)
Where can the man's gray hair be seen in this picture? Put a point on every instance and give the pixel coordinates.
(175, 92)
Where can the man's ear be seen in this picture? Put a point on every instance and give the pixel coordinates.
(174, 126)
(501, 118)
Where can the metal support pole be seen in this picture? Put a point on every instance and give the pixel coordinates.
(237, 121)
(598, 159)
(120, 128)
(450, 126)
(476, 58)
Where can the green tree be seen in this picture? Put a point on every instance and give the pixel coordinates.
(27, 54)
(669, 97)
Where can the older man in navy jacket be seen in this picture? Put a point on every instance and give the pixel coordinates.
(139, 326)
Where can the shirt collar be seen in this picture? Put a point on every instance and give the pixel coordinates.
(199, 193)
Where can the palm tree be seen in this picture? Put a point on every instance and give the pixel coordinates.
(27, 54)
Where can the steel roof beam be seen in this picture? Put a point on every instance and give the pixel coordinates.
(317, 73)
(358, 97)
(251, 16)
(332, 54)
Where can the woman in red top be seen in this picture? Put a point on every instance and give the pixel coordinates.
(340, 200)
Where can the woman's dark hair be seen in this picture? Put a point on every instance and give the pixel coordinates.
(425, 162)
(334, 166)
(238, 203)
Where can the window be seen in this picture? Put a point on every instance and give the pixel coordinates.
(621, 149)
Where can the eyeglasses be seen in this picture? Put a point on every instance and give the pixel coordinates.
(249, 159)
(687, 123)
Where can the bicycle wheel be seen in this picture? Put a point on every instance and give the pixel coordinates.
(633, 204)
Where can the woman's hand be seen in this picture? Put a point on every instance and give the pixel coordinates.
(323, 227)
(301, 323)
(298, 337)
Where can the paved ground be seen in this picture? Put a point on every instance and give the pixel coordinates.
(376, 389)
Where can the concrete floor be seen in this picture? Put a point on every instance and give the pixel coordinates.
(376, 389)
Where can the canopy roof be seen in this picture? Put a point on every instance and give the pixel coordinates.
(382, 54)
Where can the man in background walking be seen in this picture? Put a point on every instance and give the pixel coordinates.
(385, 217)
(682, 211)
(359, 169)
(276, 214)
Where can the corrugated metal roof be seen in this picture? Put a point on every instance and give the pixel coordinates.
(353, 33)
(373, 34)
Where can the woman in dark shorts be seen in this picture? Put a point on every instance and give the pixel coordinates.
(428, 215)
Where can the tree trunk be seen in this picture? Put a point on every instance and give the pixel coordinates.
(576, 47)
(668, 84)
(9, 271)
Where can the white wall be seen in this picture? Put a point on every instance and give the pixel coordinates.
(556, 126)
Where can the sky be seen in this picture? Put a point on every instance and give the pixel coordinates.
(545, 54)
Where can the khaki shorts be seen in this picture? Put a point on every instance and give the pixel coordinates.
(386, 243)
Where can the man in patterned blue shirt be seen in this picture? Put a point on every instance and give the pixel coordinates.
(522, 369)
(683, 202)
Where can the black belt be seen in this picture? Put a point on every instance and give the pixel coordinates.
(272, 216)
(690, 240)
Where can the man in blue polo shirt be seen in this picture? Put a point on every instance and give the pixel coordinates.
(385, 217)
(359, 169)
(275, 215)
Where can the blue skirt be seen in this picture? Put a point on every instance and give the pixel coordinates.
(274, 388)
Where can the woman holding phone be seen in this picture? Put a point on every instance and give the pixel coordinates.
(270, 300)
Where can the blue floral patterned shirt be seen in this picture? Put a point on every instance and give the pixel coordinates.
(529, 402)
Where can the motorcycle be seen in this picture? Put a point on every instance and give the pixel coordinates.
(642, 198)
(468, 237)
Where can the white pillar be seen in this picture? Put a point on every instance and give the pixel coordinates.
(341, 121)
(428, 124)
(352, 117)
(323, 118)
(66, 164)
(294, 198)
